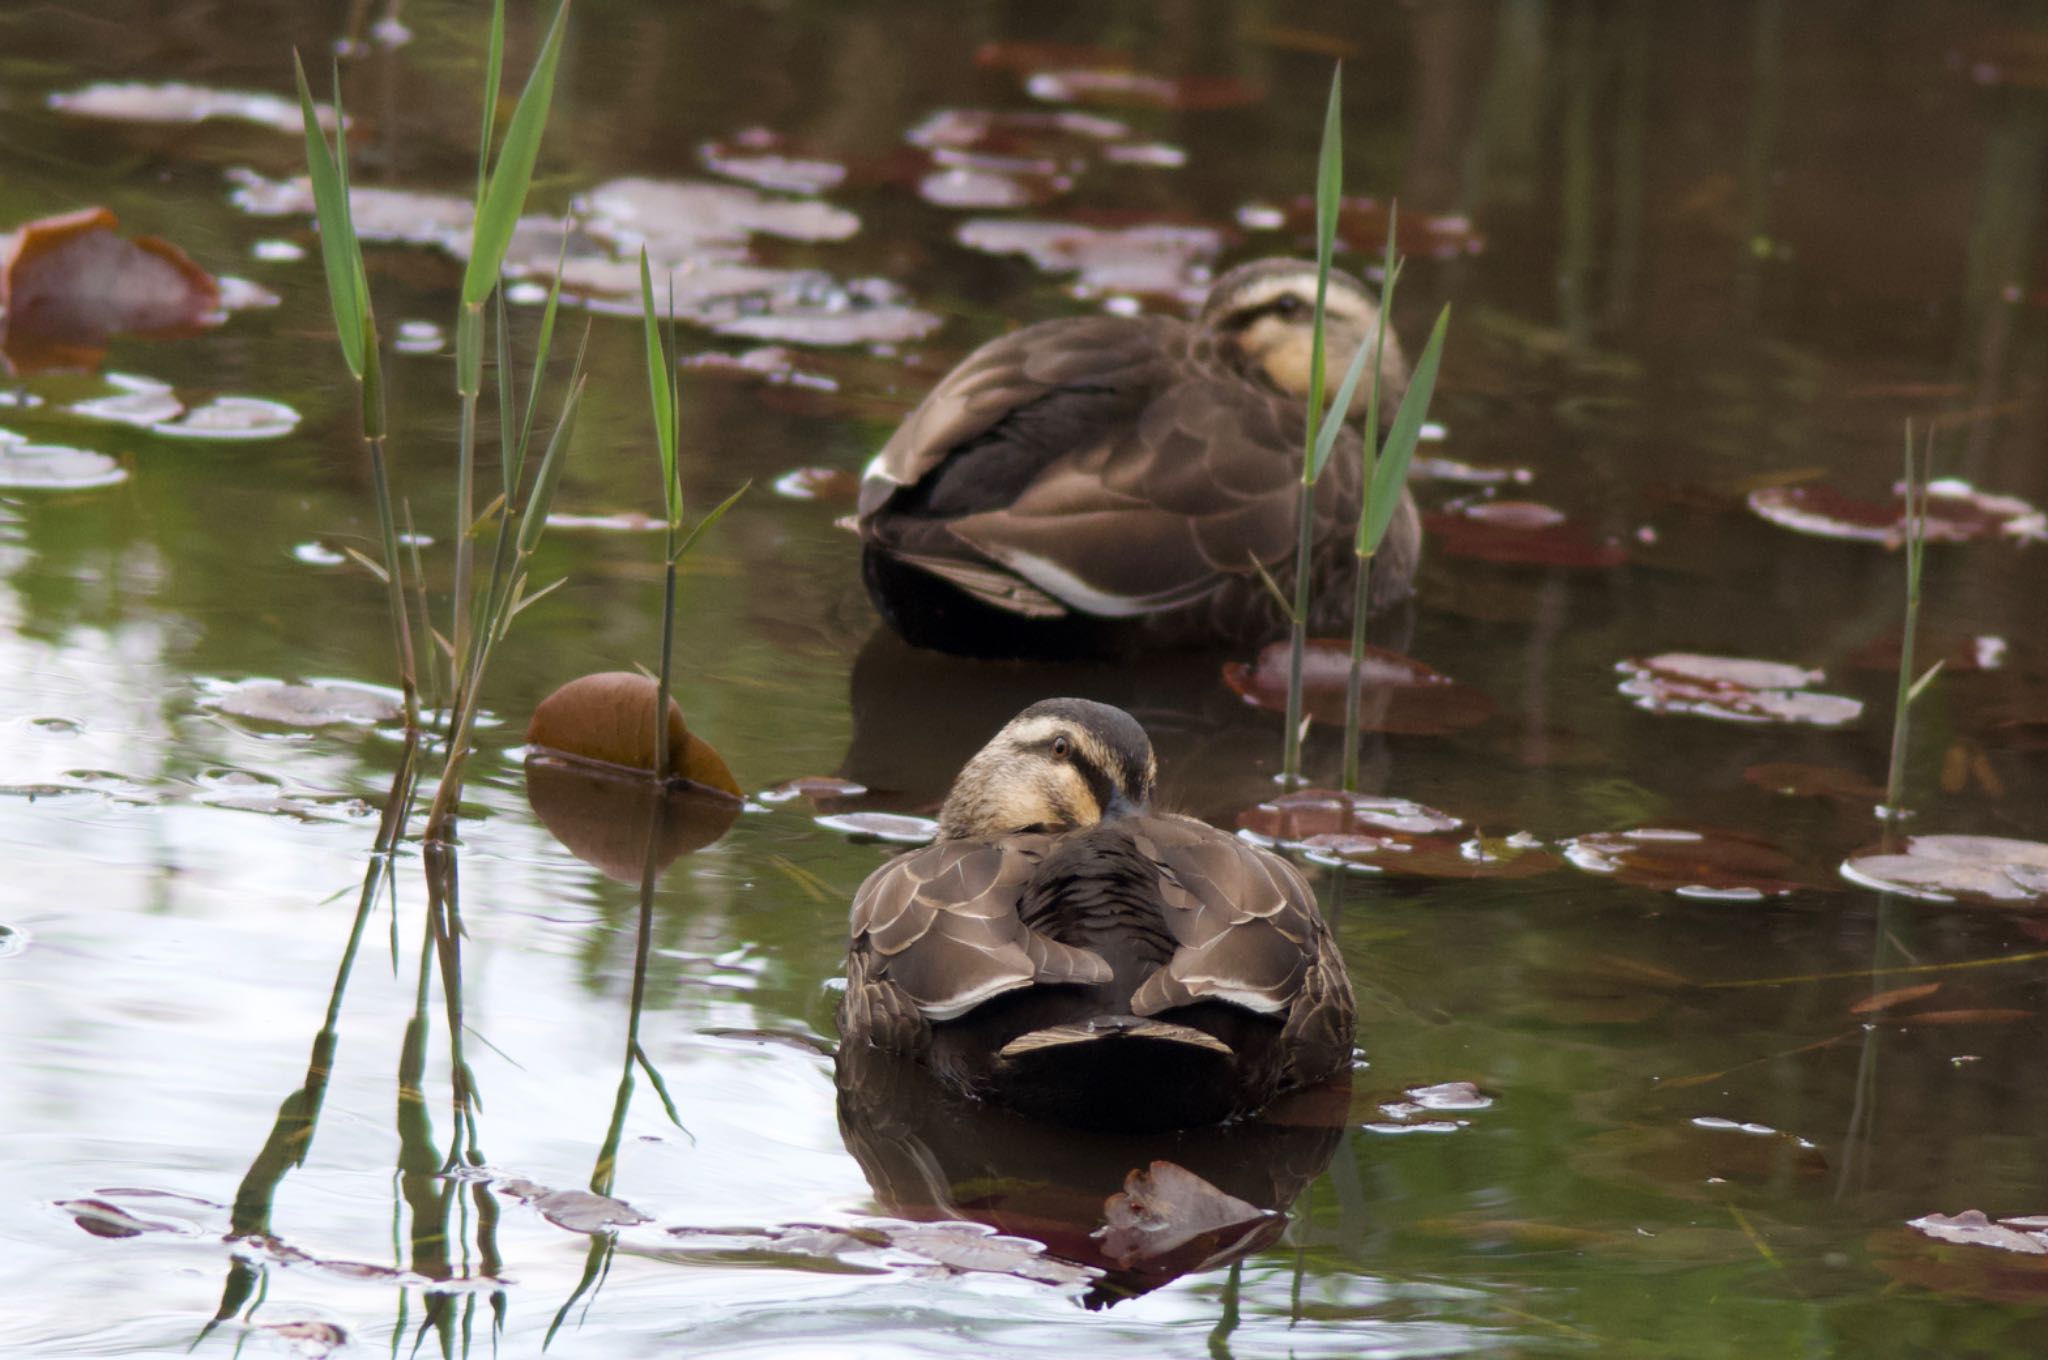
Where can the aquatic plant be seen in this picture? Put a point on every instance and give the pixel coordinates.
(1386, 465)
(479, 618)
(665, 397)
(1914, 490)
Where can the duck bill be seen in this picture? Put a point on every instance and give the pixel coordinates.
(1120, 807)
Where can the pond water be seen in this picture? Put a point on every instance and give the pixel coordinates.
(1695, 253)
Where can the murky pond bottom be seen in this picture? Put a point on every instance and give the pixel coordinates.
(1641, 1072)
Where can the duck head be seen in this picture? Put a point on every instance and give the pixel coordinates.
(1263, 315)
(1060, 765)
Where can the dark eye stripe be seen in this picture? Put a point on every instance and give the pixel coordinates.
(1283, 306)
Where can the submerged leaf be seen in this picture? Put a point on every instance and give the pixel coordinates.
(1815, 781)
(1165, 1207)
(1723, 865)
(608, 718)
(1956, 512)
(1520, 532)
(1897, 996)
(312, 705)
(1400, 694)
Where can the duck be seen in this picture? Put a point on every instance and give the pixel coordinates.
(1089, 487)
(1064, 951)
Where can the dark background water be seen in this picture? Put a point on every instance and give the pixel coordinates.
(1720, 244)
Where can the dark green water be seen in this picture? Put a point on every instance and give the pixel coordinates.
(1722, 244)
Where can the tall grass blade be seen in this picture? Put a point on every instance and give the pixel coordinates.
(1390, 472)
(1915, 494)
(661, 396)
(709, 520)
(504, 196)
(339, 250)
(535, 517)
(494, 68)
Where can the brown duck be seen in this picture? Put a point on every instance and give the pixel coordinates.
(1088, 486)
(1063, 951)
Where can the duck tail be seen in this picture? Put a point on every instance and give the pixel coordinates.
(1124, 1072)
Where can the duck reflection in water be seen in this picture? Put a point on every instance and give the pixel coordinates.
(1065, 954)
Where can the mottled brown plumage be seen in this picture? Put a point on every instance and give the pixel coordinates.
(1094, 484)
(1063, 951)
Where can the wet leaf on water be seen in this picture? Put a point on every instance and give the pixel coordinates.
(1400, 694)
(1152, 259)
(1972, 1228)
(1117, 88)
(579, 1211)
(1362, 225)
(104, 1219)
(676, 218)
(177, 102)
(232, 419)
(1293, 818)
(625, 522)
(68, 284)
(1444, 1097)
(976, 1248)
(1163, 1208)
(986, 186)
(1993, 871)
(816, 787)
(1956, 513)
(1516, 856)
(307, 705)
(606, 816)
(1519, 532)
(1424, 468)
(1797, 780)
(609, 718)
(1732, 689)
(818, 484)
(53, 467)
(894, 827)
(1897, 996)
(382, 215)
(761, 158)
(1062, 138)
(1720, 865)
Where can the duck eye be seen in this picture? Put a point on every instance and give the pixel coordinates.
(1060, 747)
(1289, 305)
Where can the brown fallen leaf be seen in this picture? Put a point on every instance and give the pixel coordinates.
(609, 718)
(1897, 996)
(1166, 1207)
(70, 283)
(1399, 694)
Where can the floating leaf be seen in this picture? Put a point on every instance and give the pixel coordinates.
(609, 718)
(1293, 818)
(678, 218)
(817, 788)
(626, 521)
(1400, 694)
(52, 467)
(1956, 512)
(758, 157)
(1522, 532)
(1967, 1255)
(307, 705)
(579, 1211)
(68, 284)
(1732, 689)
(993, 185)
(893, 827)
(1972, 1228)
(1156, 259)
(1166, 1207)
(177, 102)
(1723, 865)
(1516, 856)
(232, 418)
(1134, 89)
(1060, 137)
(1989, 871)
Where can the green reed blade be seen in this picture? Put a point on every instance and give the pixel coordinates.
(1391, 473)
(494, 67)
(1329, 190)
(683, 550)
(504, 197)
(508, 389)
(544, 342)
(535, 518)
(658, 392)
(339, 250)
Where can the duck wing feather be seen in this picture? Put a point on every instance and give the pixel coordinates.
(1245, 921)
(940, 927)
